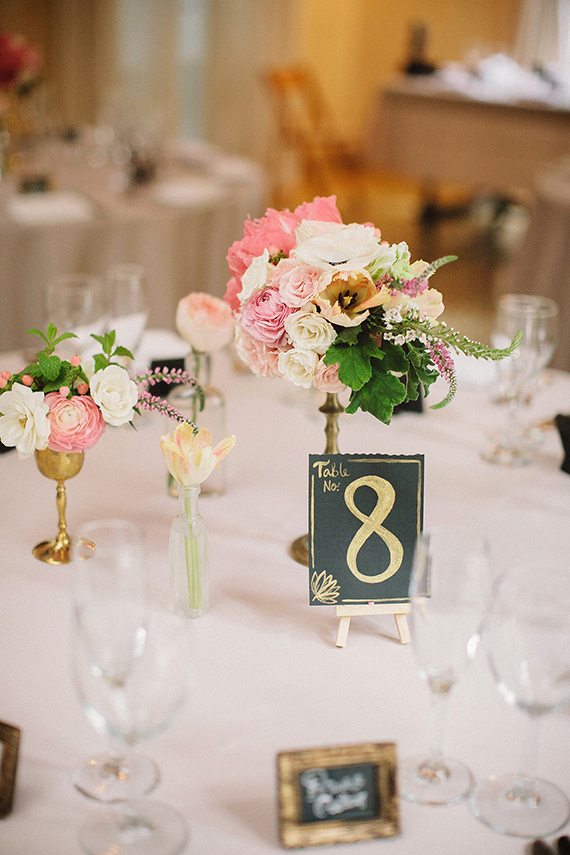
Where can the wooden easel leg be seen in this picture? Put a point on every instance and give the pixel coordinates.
(402, 627)
(343, 627)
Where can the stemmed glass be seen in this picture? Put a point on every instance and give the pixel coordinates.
(127, 304)
(537, 318)
(528, 637)
(449, 592)
(76, 303)
(109, 613)
(130, 665)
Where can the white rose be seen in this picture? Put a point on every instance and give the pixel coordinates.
(115, 394)
(24, 423)
(255, 277)
(298, 366)
(309, 330)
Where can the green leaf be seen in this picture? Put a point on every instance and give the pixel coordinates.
(349, 335)
(63, 336)
(33, 370)
(122, 351)
(50, 366)
(379, 395)
(353, 364)
(395, 358)
(101, 361)
(37, 332)
(51, 332)
(99, 338)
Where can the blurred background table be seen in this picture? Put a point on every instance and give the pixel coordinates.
(269, 676)
(424, 129)
(179, 226)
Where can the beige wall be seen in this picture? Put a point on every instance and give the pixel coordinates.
(355, 45)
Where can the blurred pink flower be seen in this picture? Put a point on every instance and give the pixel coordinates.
(76, 423)
(204, 321)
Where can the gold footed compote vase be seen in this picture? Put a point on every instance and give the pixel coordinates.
(59, 466)
(332, 408)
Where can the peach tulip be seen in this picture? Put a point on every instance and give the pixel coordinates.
(190, 457)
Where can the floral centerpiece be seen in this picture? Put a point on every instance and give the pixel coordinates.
(330, 305)
(20, 63)
(65, 405)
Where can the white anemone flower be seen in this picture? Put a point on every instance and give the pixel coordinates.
(341, 247)
(24, 423)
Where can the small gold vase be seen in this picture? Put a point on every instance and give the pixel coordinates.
(59, 466)
(332, 408)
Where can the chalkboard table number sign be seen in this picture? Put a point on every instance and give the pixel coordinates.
(365, 515)
(337, 795)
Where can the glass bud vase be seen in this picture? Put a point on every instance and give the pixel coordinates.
(211, 416)
(188, 557)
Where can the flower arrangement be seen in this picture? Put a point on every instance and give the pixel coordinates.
(66, 405)
(333, 306)
(20, 62)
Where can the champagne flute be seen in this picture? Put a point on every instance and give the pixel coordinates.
(537, 318)
(109, 619)
(76, 303)
(449, 591)
(528, 639)
(127, 304)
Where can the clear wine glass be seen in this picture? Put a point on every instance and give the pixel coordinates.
(127, 304)
(528, 634)
(76, 303)
(131, 670)
(537, 318)
(109, 614)
(449, 593)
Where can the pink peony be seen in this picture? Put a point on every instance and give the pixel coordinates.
(232, 290)
(76, 423)
(326, 377)
(204, 321)
(297, 283)
(259, 357)
(322, 208)
(264, 316)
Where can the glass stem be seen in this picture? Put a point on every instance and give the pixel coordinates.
(513, 421)
(438, 721)
(525, 790)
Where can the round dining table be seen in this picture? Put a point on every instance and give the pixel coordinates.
(268, 676)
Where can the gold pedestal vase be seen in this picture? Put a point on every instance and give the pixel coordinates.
(59, 466)
(332, 408)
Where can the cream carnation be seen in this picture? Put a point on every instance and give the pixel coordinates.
(115, 393)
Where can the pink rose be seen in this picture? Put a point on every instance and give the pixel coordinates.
(322, 208)
(297, 283)
(264, 316)
(276, 230)
(76, 423)
(259, 357)
(326, 377)
(204, 321)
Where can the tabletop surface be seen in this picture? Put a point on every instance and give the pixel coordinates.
(269, 677)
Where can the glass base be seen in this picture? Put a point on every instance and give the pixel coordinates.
(503, 805)
(152, 829)
(424, 782)
(503, 455)
(107, 780)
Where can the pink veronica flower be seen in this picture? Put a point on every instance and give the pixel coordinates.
(263, 316)
(76, 423)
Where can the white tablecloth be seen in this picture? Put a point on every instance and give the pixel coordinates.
(269, 676)
(179, 227)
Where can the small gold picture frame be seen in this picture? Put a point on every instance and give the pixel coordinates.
(337, 795)
(9, 745)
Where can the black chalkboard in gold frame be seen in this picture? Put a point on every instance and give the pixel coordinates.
(337, 795)
(9, 745)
